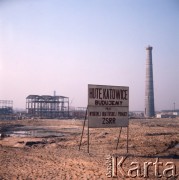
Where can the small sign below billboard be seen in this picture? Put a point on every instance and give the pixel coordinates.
(108, 106)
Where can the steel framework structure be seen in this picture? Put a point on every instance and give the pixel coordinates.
(79, 112)
(47, 106)
(6, 107)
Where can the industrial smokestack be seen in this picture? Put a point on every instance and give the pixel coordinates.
(149, 90)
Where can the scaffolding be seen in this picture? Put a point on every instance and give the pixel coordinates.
(6, 107)
(79, 112)
(47, 107)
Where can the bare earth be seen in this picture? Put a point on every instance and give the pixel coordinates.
(54, 154)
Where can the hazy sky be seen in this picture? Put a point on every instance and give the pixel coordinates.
(64, 45)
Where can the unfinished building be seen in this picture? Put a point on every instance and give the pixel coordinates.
(47, 107)
(6, 110)
(6, 107)
(79, 112)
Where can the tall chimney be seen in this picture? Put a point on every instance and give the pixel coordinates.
(149, 90)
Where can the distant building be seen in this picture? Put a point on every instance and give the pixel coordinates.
(47, 106)
(6, 107)
(165, 115)
(176, 113)
(79, 112)
(136, 114)
(6, 110)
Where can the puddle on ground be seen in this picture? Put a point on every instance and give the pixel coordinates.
(40, 131)
(34, 133)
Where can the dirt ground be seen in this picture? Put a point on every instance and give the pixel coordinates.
(54, 154)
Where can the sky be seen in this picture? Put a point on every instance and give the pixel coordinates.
(62, 46)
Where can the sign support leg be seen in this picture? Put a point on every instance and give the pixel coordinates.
(118, 138)
(88, 136)
(127, 139)
(83, 129)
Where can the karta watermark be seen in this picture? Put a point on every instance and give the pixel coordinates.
(117, 167)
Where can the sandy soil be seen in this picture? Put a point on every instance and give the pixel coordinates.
(53, 157)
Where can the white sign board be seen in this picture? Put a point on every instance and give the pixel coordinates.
(108, 106)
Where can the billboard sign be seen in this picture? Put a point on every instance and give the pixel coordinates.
(108, 106)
